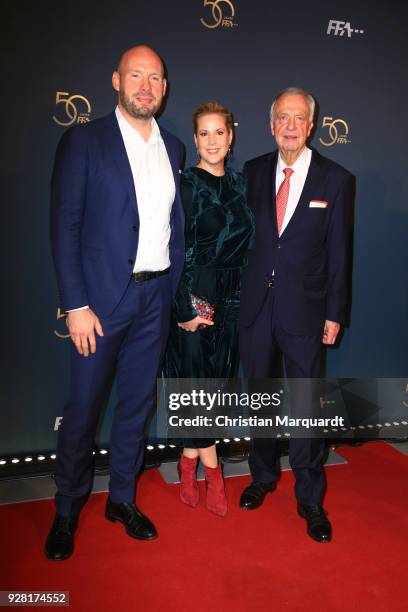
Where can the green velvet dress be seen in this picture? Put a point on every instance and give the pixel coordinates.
(219, 228)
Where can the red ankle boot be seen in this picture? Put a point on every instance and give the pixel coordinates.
(216, 500)
(187, 469)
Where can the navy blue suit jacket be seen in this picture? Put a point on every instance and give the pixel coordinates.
(310, 258)
(94, 216)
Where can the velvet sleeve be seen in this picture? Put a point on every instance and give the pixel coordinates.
(183, 307)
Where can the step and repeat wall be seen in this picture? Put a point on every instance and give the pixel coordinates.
(57, 64)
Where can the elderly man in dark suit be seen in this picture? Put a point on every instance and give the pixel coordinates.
(294, 289)
(117, 232)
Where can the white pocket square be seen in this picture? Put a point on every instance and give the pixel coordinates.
(318, 204)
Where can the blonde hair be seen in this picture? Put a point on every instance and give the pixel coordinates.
(213, 108)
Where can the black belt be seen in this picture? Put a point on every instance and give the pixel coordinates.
(140, 277)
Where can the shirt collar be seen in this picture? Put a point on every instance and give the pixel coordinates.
(302, 162)
(131, 132)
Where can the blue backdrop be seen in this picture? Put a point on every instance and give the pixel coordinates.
(57, 65)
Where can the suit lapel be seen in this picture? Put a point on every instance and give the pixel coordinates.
(309, 190)
(270, 188)
(117, 152)
(173, 157)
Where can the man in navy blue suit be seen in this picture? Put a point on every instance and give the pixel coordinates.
(294, 289)
(117, 241)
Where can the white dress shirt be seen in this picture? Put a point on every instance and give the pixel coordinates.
(155, 191)
(297, 181)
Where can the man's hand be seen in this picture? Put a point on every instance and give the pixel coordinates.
(194, 324)
(82, 325)
(331, 329)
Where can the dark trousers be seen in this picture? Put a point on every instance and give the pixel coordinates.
(133, 344)
(262, 345)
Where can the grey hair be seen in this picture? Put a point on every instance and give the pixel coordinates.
(296, 91)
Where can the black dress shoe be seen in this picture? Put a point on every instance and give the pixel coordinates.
(60, 542)
(137, 525)
(253, 496)
(318, 525)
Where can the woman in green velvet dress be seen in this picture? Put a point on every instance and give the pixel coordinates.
(218, 230)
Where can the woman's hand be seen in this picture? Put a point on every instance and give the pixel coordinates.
(194, 324)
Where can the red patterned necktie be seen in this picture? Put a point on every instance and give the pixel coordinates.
(282, 197)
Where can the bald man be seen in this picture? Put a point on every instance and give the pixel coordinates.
(118, 249)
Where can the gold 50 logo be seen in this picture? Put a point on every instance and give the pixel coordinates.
(222, 13)
(338, 132)
(61, 315)
(77, 109)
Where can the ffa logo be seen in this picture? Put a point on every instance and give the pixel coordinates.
(77, 109)
(339, 28)
(324, 402)
(222, 13)
(338, 132)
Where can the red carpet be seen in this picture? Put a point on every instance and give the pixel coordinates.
(250, 561)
